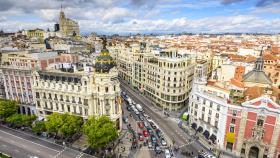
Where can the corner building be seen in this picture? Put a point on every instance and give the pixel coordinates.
(67, 89)
(165, 77)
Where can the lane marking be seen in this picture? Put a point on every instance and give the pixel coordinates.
(28, 141)
(16, 150)
(4, 145)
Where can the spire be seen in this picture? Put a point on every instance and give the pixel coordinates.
(259, 62)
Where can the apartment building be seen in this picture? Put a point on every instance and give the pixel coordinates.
(67, 88)
(16, 74)
(163, 76)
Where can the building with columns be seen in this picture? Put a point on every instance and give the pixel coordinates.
(67, 88)
(163, 76)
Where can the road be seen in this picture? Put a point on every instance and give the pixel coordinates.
(169, 127)
(21, 145)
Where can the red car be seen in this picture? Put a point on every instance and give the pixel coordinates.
(140, 124)
(145, 133)
(140, 137)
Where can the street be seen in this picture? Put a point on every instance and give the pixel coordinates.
(21, 145)
(168, 126)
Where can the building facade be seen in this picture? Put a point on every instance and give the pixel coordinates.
(166, 77)
(67, 89)
(18, 86)
(68, 27)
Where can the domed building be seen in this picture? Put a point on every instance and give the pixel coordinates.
(104, 62)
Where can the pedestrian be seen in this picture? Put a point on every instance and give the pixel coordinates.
(192, 152)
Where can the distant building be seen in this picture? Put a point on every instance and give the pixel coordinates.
(68, 27)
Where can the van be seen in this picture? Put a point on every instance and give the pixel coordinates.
(139, 107)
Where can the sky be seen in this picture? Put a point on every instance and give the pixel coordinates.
(145, 16)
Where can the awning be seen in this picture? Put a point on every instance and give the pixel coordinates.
(213, 138)
(194, 125)
(200, 129)
(206, 134)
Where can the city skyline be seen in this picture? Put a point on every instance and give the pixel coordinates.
(142, 16)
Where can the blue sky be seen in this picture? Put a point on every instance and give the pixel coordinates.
(145, 16)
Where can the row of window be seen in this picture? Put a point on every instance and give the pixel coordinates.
(61, 98)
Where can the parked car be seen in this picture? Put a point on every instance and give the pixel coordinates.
(140, 124)
(167, 153)
(145, 133)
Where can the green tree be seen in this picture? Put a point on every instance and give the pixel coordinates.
(100, 131)
(7, 108)
(39, 127)
(21, 120)
(63, 124)
(72, 124)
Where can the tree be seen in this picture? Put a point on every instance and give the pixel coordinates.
(21, 120)
(54, 122)
(100, 131)
(72, 124)
(63, 124)
(7, 108)
(39, 127)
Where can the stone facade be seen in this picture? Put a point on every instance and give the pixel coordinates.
(67, 26)
(78, 93)
(164, 78)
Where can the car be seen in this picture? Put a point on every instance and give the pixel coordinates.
(146, 124)
(128, 108)
(149, 120)
(205, 155)
(159, 133)
(153, 139)
(140, 124)
(150, 131)
(150, 145)
(163, 142)
(140, 137)
(157, 149)
(139, 107)
(153, 125)
(145, 133)
(141, 117)
(146, 116)
(167, 153)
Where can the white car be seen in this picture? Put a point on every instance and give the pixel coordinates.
(150, 145)
(163, 142)
(167, 153)
(149, 120)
